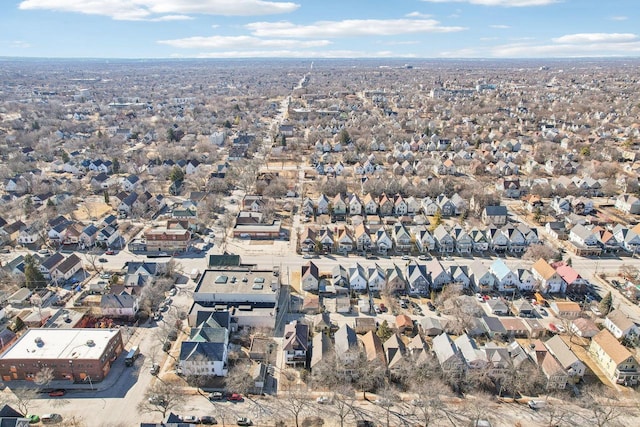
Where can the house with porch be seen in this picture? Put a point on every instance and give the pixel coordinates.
(549, 279)
(615, 360)
(295, 346)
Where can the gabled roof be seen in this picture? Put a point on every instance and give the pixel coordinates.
(52, 261)
(69, 263)
(345, 339)
(561, 351)
(117, 301)
(544, 269)
(610, 345)
(496, 210)
(618, 318)
(373, 347)
(193, 350)
(296, 336)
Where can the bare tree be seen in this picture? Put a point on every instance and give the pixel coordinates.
(343, 402)
(44, 376)
(22, 398)
(238, 379)
(603, 406)
(162, 397)
(537, 251)
(295, 403)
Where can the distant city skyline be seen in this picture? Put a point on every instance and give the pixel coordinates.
(319, 28)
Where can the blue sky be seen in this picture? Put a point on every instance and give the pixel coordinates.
(319, 28)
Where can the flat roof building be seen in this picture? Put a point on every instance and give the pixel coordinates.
(72, 354)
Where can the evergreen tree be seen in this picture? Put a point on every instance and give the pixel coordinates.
(106, 197)
(65, 156)
(115, 165)
(606, 304)
(176, 174)
(227, 124)
(344, 137)
(32, 275)
(384, 332)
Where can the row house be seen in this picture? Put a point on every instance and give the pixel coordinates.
(550, 280)
(628, 204)
(584, 241)
(628, 239)
(615, 360)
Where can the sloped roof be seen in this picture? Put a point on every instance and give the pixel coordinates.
(192, 350)
(544, 269)
(610, 345)
(373, 347)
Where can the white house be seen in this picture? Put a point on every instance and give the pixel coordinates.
(620, 325)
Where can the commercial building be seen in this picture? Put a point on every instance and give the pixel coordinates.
(76, 355)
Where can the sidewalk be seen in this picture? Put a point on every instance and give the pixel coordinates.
(117, 369)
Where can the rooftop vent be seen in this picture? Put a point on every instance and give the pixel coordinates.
(90, 343)
(39, 342)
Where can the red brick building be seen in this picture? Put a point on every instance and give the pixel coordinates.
(73, 354)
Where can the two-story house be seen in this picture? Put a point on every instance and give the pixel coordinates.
(295, 345)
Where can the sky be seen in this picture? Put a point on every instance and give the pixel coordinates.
(319, 28)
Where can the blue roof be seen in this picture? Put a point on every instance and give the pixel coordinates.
(499, 269)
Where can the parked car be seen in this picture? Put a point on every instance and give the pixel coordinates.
(57, 393)
(406, 257)
(424, 257)
(190, 419)
(235, 397)
(244, 421)
(110, 252)
(207, 419)
(561, 329)
(536, 404)
(216, 395)
(596, 311)
(365, 423)
(33, 419)
(323, 399)
(103, 260)
(51, 418)
(166, 346)
(157, 400)
(154, 369)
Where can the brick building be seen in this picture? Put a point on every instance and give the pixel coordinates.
(73, 354)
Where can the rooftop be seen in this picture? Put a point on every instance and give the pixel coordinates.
(237, 281)
(78, 344)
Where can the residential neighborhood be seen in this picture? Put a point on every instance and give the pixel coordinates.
(342, 244)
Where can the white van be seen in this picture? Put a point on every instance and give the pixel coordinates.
(51, 418)
(537, 404)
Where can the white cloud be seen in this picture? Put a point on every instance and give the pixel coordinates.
(135, 10)
(619, 18)
(417, 15)
(567, 46)
(301, 54)
(19, 44)
(503, 3)
(500, 27)
(242, 42)
(349, 28)
(171, 18)
(596, 38)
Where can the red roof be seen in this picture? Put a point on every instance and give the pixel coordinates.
(568, 273)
